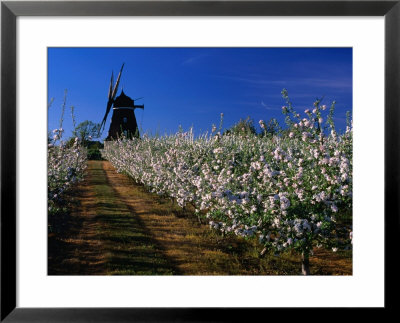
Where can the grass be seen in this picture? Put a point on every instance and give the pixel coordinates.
(121, 229)
(103, 237)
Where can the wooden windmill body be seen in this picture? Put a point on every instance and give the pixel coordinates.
(123, 120)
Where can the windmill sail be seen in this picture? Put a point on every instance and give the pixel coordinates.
(103, 123)
(112, 92)
(109, 102)
(111, 85)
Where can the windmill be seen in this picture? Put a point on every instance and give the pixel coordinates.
(123, 120)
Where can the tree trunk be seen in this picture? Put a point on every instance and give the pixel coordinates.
(305, 265)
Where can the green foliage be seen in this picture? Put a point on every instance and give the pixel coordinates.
(271, 128)
(86, 130)
(243, 127)
(93, 149)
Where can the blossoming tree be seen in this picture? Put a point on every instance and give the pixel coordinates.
(292, 189)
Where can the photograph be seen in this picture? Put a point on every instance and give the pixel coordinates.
(199, 161)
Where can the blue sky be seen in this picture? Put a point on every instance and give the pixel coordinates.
(193, 86)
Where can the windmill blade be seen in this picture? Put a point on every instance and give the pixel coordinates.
(103, 123)
(109, 103)
(111, 85)
(114, 93)
(98, 132)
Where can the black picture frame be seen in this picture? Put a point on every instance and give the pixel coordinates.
(10, 10)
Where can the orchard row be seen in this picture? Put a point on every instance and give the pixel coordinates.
(292, 189)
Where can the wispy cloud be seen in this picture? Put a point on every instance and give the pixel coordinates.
(194, 59)
(252, 80)
(290, 82)
(267, 107)
(255, 104)
(326, 83)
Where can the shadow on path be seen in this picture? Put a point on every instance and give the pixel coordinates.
(103, 236)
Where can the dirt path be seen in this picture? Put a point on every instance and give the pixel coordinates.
(186, 244)
(117, 228)
(103, 237)
(77, 249)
